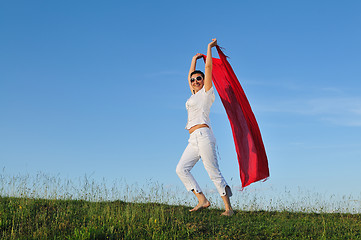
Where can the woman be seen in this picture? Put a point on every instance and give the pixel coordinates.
(201, 143)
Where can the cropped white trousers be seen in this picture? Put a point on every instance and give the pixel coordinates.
(201, 145)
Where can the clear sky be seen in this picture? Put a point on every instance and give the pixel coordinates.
(99, 87)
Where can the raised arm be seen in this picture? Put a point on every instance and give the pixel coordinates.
(208, 69)
(193, 68)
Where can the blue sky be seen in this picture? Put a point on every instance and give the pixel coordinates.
(99, 87)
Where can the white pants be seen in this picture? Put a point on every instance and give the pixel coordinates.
(201, 145)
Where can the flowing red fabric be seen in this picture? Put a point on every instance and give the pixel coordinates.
(251, 154)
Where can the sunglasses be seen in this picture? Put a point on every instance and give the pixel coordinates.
(199, 78)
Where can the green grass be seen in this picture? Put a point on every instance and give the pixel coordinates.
(27, 218)
(51, 207)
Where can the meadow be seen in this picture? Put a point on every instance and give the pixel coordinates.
(44, 207)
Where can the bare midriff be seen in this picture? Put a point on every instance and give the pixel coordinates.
(192, 129)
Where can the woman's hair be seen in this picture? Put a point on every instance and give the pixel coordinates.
(197, 71)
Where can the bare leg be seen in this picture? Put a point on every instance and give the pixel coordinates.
(227, 204)
(202, 202)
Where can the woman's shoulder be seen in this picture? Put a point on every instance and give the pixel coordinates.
(210, 91)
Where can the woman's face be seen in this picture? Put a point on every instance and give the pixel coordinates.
(198, 81)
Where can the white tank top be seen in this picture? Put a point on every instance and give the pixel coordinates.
(199, 106)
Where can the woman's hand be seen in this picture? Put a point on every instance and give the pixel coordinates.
(213, 43)
(198, 56)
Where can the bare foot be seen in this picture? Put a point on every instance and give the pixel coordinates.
(201, 206)
(228, 213)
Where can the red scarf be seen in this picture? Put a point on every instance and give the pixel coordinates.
(252, 158)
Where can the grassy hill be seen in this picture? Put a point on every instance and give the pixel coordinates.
(26, 218)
